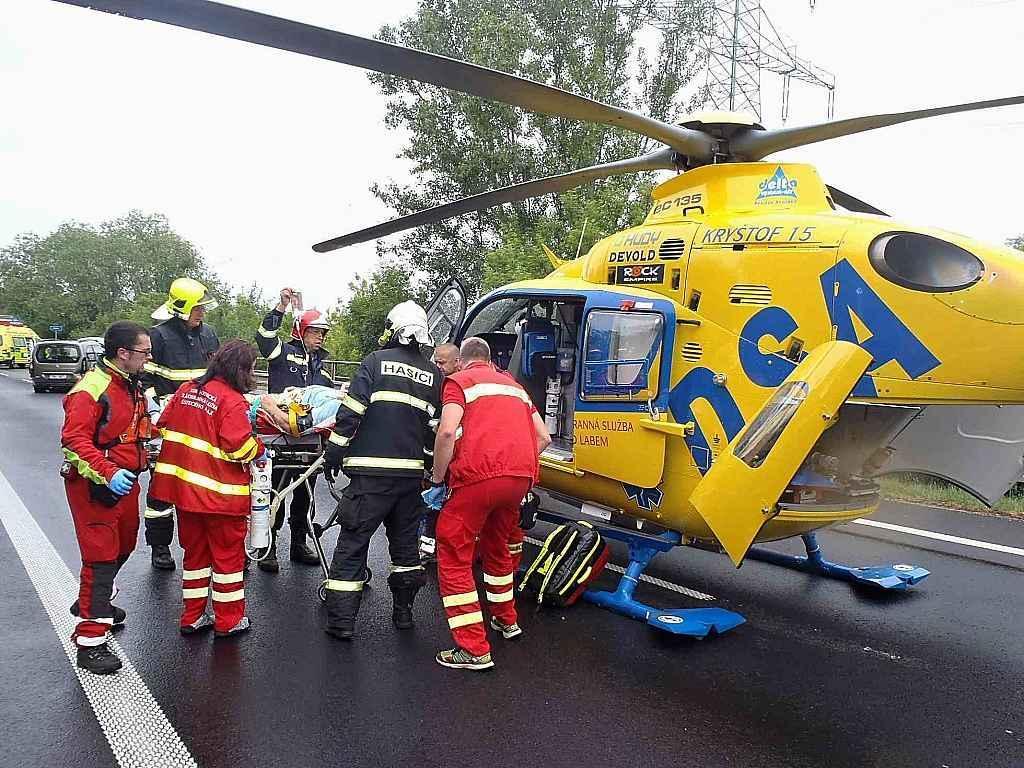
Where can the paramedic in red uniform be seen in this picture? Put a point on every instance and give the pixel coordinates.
(202, 470)
(486, 452)
(105, 426)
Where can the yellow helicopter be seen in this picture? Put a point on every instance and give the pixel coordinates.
(740, 366)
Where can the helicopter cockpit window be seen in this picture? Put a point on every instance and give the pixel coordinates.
(621, 353)
(497, 324)
(924, 263)
(500, 316)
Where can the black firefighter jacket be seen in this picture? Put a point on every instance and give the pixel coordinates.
(289, 364)
(179, 355)
(386, 421)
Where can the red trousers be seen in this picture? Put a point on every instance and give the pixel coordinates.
(106, 537)
(214, 551)
(488, 511)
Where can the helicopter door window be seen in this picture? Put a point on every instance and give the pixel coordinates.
(446, 312)
(621, 350)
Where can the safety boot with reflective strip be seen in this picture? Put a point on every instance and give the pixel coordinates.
(457, 658)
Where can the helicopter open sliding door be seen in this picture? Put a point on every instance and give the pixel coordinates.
(625, 361)
(446, 311)
(741, 490)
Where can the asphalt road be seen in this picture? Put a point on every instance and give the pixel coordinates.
(821, 673)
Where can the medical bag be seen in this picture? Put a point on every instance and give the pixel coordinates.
(572, 557)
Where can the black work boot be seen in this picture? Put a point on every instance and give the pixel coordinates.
(161, 558)
(401, 615)
(340, 633)
(269, 563)
(404, 587)
(98, 659)
(300, 552)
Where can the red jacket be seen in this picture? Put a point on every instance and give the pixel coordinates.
(496, 437)
(105, 424)
(207, 444)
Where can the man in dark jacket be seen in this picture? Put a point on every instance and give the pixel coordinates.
(383, 440)
(295, 363)
(182, 345)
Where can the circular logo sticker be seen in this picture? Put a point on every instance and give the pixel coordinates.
(670, 620)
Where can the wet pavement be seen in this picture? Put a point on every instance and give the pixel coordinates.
(821, 674)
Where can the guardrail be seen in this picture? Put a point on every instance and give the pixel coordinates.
(340, 371)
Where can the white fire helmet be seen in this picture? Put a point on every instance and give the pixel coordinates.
(407, 322)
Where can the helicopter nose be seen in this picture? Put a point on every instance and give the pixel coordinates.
(998, 293)
(966, 300)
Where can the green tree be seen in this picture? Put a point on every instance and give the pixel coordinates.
(81, 276)
(359, 324)
(460, 145)
(1016, 242)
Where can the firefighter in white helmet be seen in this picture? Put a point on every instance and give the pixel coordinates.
(383, 440)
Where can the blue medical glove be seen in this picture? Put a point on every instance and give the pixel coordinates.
(435, 497)
(122, 481)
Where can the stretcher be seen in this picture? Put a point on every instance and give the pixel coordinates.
(303, 458)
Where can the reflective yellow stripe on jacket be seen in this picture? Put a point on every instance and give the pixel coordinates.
(382, 462)
(401, 397)
(183, 374)
(83, 467)
(244, 454)
(194, 478)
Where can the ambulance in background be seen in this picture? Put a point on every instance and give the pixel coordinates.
(16, 342)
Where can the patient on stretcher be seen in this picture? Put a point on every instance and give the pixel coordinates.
(296, 411)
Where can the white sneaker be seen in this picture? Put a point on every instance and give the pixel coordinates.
(243, 625)
(508, 631)
(203, 623)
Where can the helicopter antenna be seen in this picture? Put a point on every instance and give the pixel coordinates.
(582, 233)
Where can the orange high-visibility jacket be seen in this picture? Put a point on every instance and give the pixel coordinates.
(99, 412)
(207, 445)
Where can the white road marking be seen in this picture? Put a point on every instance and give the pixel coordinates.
(941, 537)
(649, 579)
(133, 722)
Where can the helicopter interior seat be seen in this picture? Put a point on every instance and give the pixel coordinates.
(533, 358)
(502, 346)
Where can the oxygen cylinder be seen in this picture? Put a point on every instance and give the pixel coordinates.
(553, 403)
(260, 485)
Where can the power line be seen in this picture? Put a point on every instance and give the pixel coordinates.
(740, 42)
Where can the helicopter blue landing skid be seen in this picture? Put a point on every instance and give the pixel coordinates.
(897, 578)
(692, 622)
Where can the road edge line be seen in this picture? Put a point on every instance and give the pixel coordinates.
(134, 724)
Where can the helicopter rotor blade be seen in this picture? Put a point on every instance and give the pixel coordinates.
(754, 145)
(662, 159)
(284, 34)
(851, 203)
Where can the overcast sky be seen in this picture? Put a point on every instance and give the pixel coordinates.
(254, 154)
